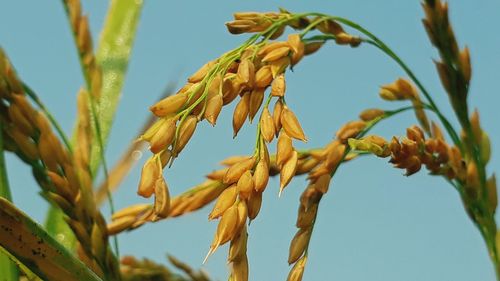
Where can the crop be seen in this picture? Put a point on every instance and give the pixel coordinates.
(253, 77)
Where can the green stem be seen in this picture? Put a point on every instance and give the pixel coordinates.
(375, 41)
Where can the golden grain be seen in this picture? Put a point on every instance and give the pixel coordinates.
(240, 113)
(267, 125)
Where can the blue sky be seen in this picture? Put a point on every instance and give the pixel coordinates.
(374, 224)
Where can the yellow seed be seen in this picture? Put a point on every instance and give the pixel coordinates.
(476, 127)
(322, 183)
(227, 225)
(164, 136)
(20, 121)
(149, 175)
(278, 86)
(256, 98)
(62, 187)
(169, 105)
(246, 73)
(298, 245)
(26, 145)
(472, 180)
(297, 270)
(214, 107)
(120, 224)
(202, 72)
(240, 270)
(465, 65)
(291, 124)
(185, 133)
(47, 153)
(242, 215)
(350, 130)
(133, 210)
(225, 200)
(238, 247)
(98, 239)
(306, 165)
(267, 125)
(229, 161)
(370, 114)
(240, 26)
(254, 204)
(297, 47)
(162, 198)
(279, 66)
(240, 113)
(245, 185)
(230, 88)
(263, 77)
(312, 47)
(288, 171)
(330, 26)
(284, 149)
(334, 157)
(271, 47)
(235, 171)
(261, 176)
(276, 54)
(306, 216)
(278, 108)
(217, 175)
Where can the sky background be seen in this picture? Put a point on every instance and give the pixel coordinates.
(374, 223)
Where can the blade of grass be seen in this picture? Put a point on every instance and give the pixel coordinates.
(26, 271)
(7, 267)
(112, 56)
(35, 248)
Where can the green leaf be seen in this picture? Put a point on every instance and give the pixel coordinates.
(36, 249)
(113, 55)
(7, 267)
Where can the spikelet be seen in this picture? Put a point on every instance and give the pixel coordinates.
(298, 245)
(291, 124)
(261, 175)
(256, 98)
(297, 270)
(284, 149)
(214, 107)
(267, 125)
(186, 131)
(278, 87)
(263, 77)
(164, 136)
(225, 200)
(288, 170)
(278, 109)
(370, 114)
(162, 198)
(240, 113)
(150, 173)
(169, 105)
(245, 185)
(236, 170)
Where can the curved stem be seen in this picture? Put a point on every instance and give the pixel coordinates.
(375, 41)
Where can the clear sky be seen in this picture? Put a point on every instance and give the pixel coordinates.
(374, 224)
